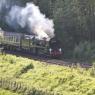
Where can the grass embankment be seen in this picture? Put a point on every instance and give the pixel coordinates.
(29, 77)
(5, 92)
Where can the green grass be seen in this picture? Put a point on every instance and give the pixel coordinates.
(5, 92)
(29, 77)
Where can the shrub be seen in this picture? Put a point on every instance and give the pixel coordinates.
(84, 51)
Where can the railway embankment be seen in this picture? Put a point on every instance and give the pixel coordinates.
(29, 77)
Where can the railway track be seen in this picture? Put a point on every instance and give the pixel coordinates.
(51, 61)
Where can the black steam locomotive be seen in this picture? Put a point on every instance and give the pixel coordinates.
(55, 49)
(28, 43)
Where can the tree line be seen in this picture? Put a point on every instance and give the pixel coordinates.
(74, 25)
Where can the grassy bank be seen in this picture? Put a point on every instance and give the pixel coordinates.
(29, 77)
(6, 92)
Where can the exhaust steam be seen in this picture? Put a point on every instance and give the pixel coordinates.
(28, 17)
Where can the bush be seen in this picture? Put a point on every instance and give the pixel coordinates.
(84, 51)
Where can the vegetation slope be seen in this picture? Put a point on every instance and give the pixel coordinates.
(28, 77)
(5, 92)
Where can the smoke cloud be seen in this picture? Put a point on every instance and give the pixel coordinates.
(3, 3)
(28, 17)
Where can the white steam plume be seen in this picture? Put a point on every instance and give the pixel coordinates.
(31, 17)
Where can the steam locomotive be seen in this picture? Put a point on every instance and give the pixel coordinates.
(28, 43)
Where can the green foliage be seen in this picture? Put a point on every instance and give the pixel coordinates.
(74, 23)
(5, 92)
(30, 77)
(18, 65)
(85, 51)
